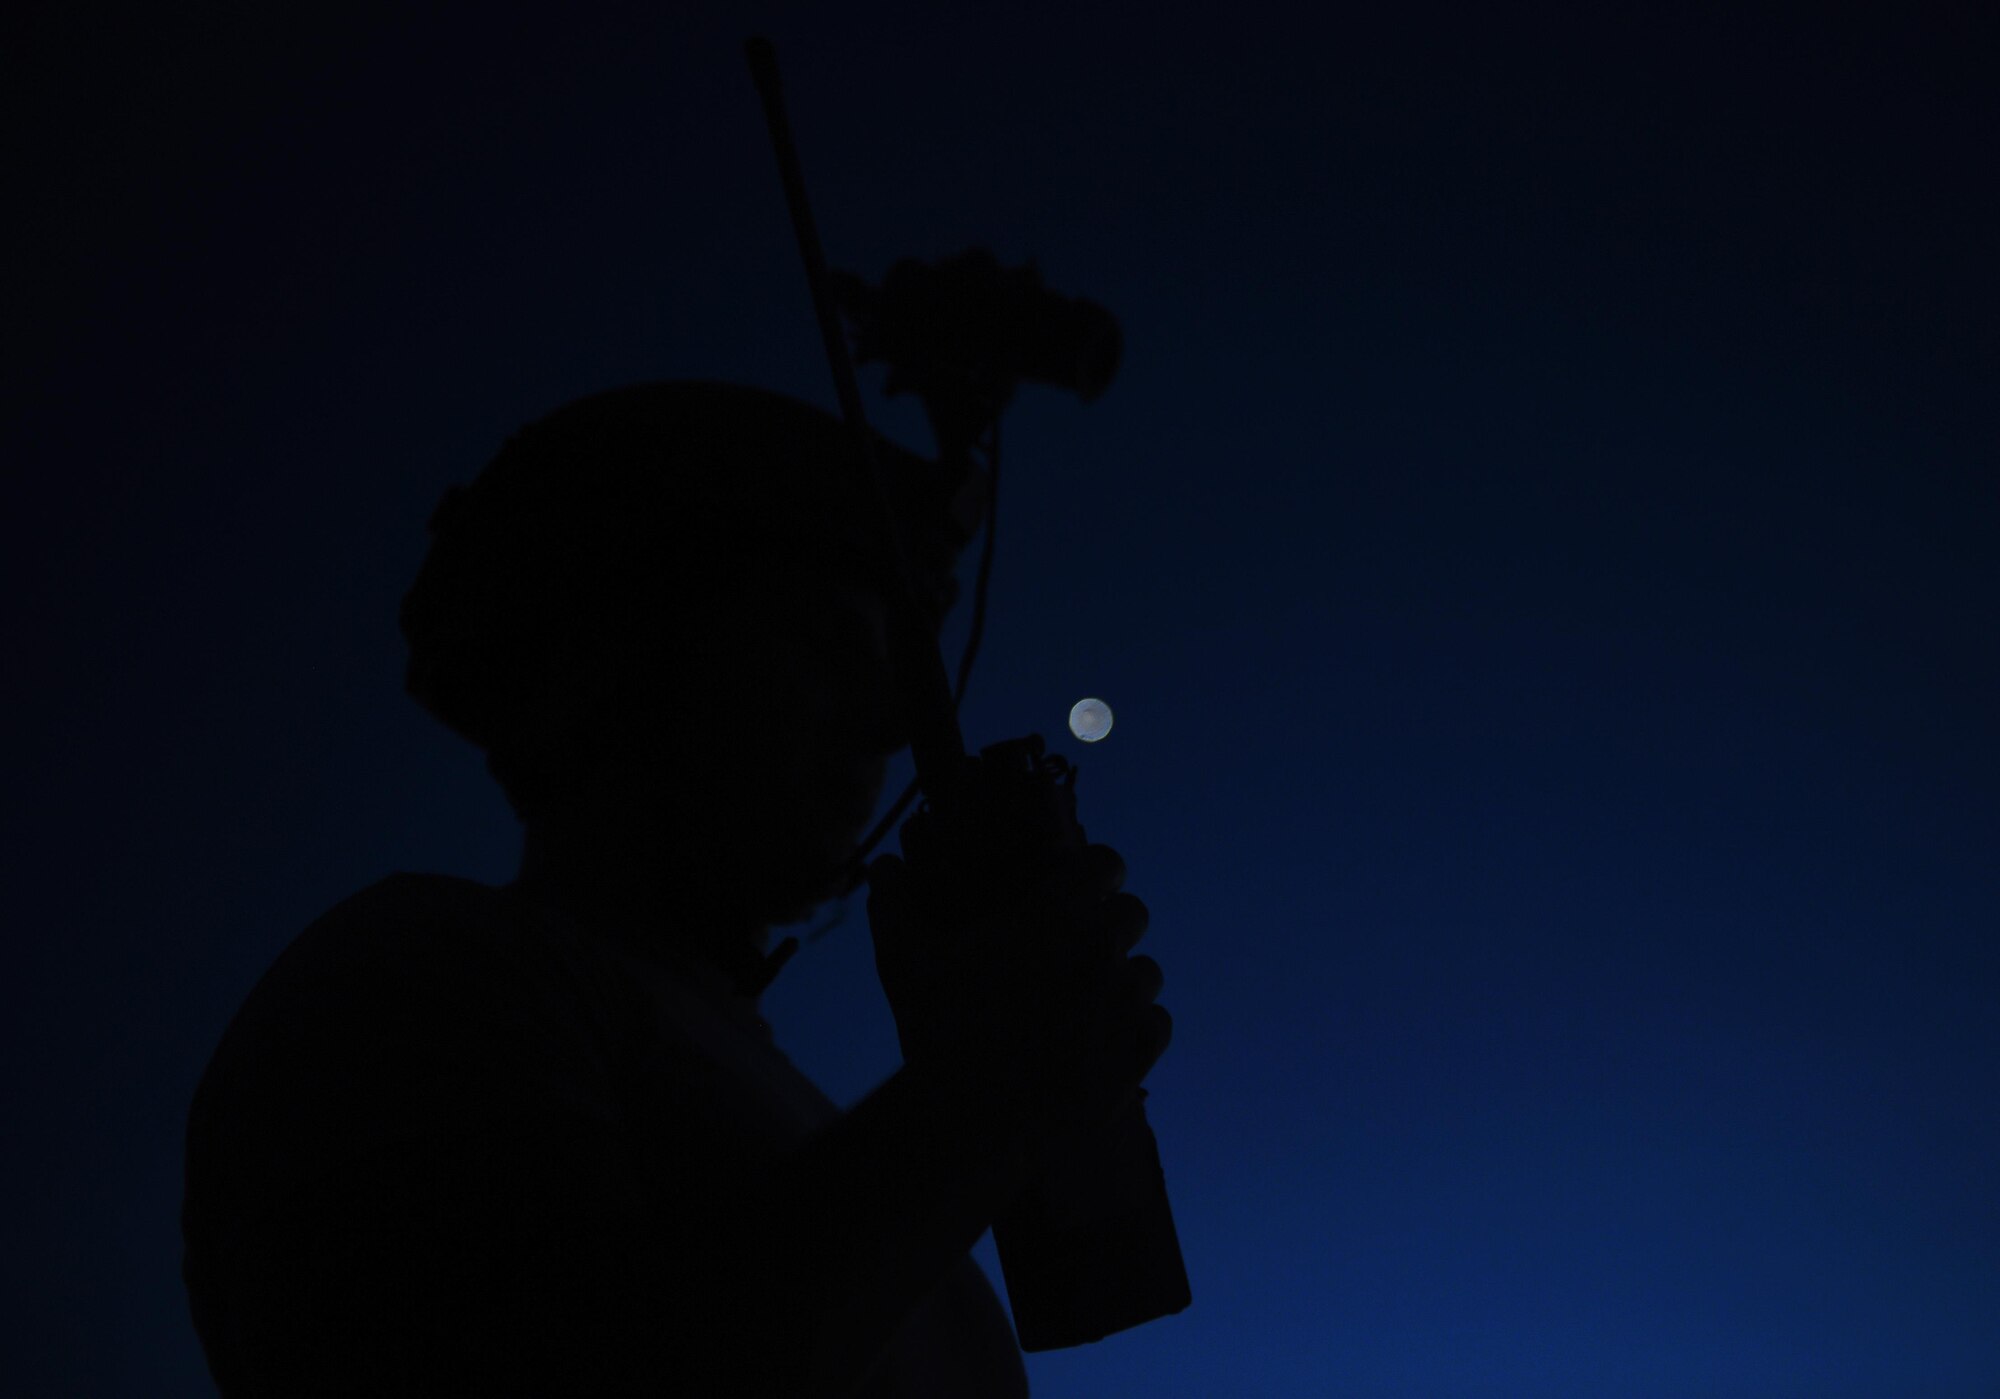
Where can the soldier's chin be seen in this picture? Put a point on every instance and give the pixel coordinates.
(828, 874)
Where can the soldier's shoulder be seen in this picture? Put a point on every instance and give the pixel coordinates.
(412, 959)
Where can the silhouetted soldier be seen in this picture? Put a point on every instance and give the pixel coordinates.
(536, 1140)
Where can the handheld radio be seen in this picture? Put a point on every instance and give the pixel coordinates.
(1090, 1249)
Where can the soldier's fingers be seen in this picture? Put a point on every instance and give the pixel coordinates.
(1123, 919)
(1144, 976)
(1099, 872)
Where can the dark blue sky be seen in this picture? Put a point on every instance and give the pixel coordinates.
(1541, 549)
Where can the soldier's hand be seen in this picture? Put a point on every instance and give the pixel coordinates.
(1030, 977)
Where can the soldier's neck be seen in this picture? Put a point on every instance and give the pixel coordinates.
(643, 892)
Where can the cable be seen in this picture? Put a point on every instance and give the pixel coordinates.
(857, 866)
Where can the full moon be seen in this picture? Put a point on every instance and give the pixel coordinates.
(1090, 719)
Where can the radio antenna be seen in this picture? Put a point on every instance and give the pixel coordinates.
(935, 740)
(936, 743)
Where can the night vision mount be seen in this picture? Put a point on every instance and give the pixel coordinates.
(962, 333)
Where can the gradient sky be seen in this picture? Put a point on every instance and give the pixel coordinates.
(1541, 549)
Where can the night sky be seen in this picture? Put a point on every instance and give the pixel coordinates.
(1540, 548)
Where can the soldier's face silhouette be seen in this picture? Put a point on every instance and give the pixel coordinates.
(748, 753)
(817, 708)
